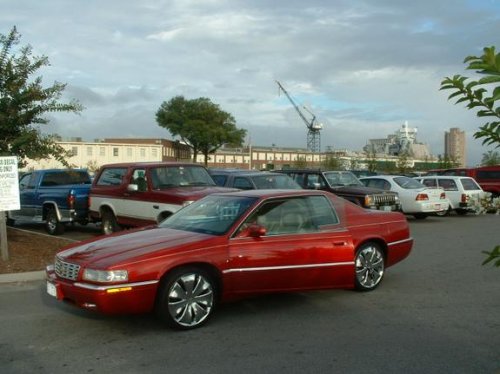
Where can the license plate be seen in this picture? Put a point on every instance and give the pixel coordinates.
(51, 289)
(386, 208)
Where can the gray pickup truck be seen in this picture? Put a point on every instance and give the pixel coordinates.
(54, 197)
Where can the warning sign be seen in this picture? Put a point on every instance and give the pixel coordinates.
(9, 184)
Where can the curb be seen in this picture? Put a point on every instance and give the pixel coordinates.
(22, 277)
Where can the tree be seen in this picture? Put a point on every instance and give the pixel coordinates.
(479, 94)
(490, 158)
(332, 162)
(476, 95)
(201, 124)
(23, 103)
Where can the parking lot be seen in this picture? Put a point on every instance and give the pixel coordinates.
(437, 311)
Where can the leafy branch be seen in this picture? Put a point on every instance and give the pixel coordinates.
(478, 94)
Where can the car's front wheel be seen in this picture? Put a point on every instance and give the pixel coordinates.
(443, 213)
(370, 266)
(187, 298)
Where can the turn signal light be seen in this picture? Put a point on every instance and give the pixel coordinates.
(442, 196)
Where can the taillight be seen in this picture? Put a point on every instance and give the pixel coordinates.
(71, 200)
(465, 198)
(422, 197)
(442, 196)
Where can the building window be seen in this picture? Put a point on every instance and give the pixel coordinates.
(154, 153)
(102, 151)
(143, 152)
(129, 152)
(115, 152)
(89, 151)
(74, 151)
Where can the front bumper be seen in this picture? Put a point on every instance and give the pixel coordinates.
(127, 298)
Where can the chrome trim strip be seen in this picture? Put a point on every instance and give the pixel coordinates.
(265, 268)
(400, 241)
(95, 287)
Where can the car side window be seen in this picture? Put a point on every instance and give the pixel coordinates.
(242, 183)
(448, 184)
(429, 182)
(313, 180)
(293, 215)
(111, 177)
(220, 180)
(139, 178)
(24, 181)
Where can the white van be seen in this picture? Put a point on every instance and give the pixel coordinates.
(459, 190)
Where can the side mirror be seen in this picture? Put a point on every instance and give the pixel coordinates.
(256, 231)
(317, 186)
(133, 187)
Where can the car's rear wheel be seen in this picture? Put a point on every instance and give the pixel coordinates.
(443, 213)
(461, 212)
(186, 298)
(52, 224)
(109, 224)
(370, 266)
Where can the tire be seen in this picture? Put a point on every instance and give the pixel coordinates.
(52, 224)
(443, 213)
(369, 266)
(461, 212)
(420, 216)
(187, 298)
(109, 224)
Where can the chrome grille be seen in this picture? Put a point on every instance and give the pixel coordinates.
(384, 199)
(66, 270)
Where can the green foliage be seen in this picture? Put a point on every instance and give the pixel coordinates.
(403, 163)
(300, 163)
(447, 162)
(200, 123)
(493, 256)
(23, 103)
(332, 162)
(490, 158)
(479, 94)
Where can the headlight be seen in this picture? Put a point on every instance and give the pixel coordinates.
(105, 276)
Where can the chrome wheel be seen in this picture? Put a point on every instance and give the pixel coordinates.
(190, 299)
(370, 267)
(52, 224)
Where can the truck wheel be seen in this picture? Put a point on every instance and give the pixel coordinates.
(109, 224)
(52, 223)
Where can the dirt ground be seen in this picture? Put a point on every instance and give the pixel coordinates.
(30, 251)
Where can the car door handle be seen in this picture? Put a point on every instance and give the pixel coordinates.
(339, 244)
(156, 207)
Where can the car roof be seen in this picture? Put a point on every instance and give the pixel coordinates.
(275, 193)
(443, 177)
(151, 163)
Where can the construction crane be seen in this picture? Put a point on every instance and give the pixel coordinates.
(313, 127)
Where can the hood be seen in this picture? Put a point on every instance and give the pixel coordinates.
(133, 245)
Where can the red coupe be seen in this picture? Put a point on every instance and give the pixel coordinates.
(228, 246)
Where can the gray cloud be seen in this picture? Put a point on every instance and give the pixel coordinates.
(363, 67)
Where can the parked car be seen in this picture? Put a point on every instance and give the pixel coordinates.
(346, 185)
(252, 179)
(139, 194)
(459, 191)
(488, 177)
(415, 198)
(229, 246)
(54, 197)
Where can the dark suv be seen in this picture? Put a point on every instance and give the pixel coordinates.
(252, 179)
(346, 185)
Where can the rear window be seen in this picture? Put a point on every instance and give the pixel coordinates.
(111, 177)
(59, 178)
(469, 184)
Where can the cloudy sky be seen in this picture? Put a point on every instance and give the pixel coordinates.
(363, 67)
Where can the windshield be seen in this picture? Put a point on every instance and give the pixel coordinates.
(408, 183)
(212, 215)
(275, 181)
(180, 176)
(342, 178)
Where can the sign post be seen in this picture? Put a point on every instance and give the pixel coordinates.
(9, 197)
